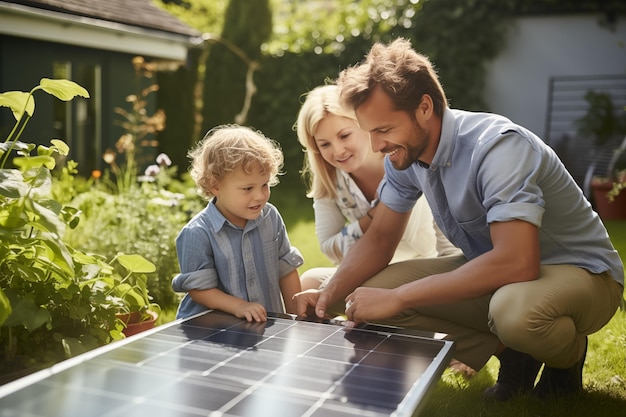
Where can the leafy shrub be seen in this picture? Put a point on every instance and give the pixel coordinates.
(55, 301)
(144, 218)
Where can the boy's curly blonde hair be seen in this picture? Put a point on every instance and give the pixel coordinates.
(228, 147)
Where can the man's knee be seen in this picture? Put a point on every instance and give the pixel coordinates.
(510, 317)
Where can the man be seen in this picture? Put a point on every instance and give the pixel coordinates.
(539, 272)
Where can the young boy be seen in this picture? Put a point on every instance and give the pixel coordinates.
(235, 255)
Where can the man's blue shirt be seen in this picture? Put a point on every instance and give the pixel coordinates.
(488, 169)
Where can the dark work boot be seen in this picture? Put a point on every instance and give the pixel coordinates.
(558, 382)
(516, 376)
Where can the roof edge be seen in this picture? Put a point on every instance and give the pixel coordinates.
(19, 20)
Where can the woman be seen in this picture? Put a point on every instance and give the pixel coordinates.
(343, 175)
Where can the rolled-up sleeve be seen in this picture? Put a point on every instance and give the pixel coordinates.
(204, 279)
(511, 194)
(289, 257)
(396, 191)
(290, 261)
(195, 257)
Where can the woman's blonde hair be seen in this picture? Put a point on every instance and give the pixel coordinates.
(319, 175)
(228, 147)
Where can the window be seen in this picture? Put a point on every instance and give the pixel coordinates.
(78, 122)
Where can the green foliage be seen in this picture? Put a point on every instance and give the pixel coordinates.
(328, 27)
(312, 41)
(55, 301)
(619, 185)
(131, 286)
(143, 219)
(600, 122)
(603, 125)
(207, 16)
(248, 24)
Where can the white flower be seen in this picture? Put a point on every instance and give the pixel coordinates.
(164, 202)
(152, 171)
(163, 159)
(170, 195)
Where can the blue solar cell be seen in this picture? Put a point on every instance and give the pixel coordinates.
(215, 365)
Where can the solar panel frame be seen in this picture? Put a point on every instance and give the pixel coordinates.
(218, 365)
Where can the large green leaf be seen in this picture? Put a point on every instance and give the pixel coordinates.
(11, 220)
(27, 314)
(12, 183)
(22, 147)
(17, 101)
(63, 89)
(61, 146)
(130, 295)
(61, 261)
(136, 264)
(29, 162)
(41, 182)
(47, 220)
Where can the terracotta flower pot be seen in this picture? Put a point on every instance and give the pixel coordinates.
(608, 210)
(134, 325)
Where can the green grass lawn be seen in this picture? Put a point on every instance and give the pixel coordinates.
(604, 375)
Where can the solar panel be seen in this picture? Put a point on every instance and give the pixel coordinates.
(217, 365)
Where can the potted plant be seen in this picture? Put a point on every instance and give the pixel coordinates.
(609, 189)
(606, 128)
(618, 185)
(55, 301)
(135, 308)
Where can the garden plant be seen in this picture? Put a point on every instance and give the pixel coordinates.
(55, 301)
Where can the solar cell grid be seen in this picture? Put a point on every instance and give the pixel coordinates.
(217, 365)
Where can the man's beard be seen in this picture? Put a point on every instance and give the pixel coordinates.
(413, 149)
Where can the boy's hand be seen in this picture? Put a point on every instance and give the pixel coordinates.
(251, 312)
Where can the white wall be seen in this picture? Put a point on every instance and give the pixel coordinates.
(541, 47)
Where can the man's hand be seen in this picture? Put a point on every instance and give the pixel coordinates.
(311, 303)
(371, 304)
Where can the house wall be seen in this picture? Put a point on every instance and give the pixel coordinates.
(542, 47)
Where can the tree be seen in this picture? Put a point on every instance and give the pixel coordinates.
(207, 16)
(228, 77)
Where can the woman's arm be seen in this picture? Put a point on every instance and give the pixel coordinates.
(369, 256)
(334, 236)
